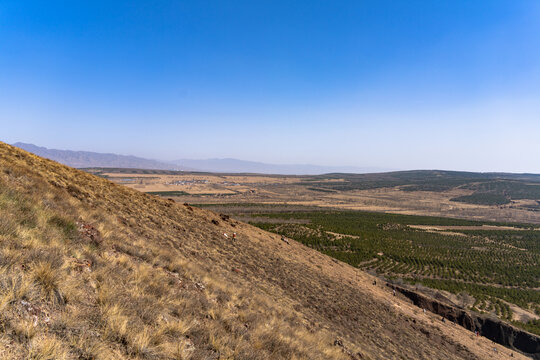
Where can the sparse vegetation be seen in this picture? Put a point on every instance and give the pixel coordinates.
(483, 199)
(94, 270)
(518, 186)
(73, 286)
(501, 192)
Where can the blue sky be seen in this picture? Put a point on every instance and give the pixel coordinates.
(390, 84)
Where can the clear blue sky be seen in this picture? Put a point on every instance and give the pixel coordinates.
(393, 84)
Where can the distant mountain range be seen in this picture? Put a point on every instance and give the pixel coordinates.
(86, 159)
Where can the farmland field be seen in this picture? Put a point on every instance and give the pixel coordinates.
(491, 197)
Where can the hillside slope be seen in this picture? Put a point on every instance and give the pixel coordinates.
(94, 270)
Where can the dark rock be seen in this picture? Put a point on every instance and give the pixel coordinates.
(224, 217)
(493, 329)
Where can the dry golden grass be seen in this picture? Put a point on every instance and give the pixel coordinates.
(94, 270)
(131, 294)
(47, 348)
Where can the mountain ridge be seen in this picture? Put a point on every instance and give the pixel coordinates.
(88, 159)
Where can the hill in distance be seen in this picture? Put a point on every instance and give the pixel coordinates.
(86, 159)
(94, 270)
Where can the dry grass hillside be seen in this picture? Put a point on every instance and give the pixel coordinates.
(94, 270)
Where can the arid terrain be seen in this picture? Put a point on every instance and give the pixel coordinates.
(382, 195)
(93, 270)
(289, 205)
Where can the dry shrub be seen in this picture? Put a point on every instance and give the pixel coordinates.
(143, 344)
(52, 256)
(175, 329)
(8, 226)
(116, 324)
(14, 288)
(87, 348)
(23, 330)
(47, 348)
(48, 279)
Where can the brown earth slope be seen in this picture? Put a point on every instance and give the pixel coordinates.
(94, 270)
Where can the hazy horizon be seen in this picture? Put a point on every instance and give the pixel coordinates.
(416, 85)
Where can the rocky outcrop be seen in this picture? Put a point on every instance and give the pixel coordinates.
(493, 329)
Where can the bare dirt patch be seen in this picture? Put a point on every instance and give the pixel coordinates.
(457, 227)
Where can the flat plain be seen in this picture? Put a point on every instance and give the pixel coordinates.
(489, 197)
